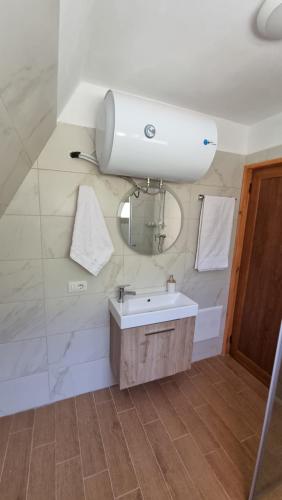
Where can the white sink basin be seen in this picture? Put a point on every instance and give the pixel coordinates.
(138, 310)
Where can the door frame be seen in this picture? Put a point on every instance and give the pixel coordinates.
(249, 170)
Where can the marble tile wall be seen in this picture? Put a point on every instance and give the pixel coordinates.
(265, 154)
(28, 88)
(54, 344)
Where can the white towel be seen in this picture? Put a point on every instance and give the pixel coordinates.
(91, 243)
(215, 230)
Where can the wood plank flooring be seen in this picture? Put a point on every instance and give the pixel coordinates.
(189, 436)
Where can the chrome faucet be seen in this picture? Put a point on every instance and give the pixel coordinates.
(122, 292)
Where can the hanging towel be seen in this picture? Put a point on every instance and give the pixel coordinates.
(215, 230)
(91, 243)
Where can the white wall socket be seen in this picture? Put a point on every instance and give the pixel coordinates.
(77, 286)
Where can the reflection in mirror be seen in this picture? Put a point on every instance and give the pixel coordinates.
(150, 220)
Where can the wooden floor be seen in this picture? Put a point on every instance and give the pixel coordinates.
(190, 436)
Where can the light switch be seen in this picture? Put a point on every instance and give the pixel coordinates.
(77, 286)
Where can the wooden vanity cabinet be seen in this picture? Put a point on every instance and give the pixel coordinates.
(150, 352)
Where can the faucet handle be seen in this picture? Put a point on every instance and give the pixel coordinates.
(122, 287)
(121, 292)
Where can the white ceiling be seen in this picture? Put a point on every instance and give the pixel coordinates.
(201, 54)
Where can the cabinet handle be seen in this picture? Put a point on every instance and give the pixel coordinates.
(168, 330)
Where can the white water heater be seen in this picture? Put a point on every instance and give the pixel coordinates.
(139, 137)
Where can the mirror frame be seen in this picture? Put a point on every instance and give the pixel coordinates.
(130, 193)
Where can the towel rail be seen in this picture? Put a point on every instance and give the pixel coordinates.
(202, 196)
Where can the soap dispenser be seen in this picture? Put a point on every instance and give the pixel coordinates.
(171, 284)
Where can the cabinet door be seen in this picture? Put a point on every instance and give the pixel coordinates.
(148, 353)
(184, 344)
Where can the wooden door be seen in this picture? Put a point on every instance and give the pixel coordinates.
(258, 306)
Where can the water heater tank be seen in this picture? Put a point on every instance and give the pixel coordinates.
(139, 137)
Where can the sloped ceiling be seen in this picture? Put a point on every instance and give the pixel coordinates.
(205, 55)
(28, 87)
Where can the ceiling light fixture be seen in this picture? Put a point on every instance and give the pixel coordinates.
(269, 19)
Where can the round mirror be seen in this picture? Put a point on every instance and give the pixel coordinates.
(150, 219)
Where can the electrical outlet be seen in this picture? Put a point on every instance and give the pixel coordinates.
(77, 286)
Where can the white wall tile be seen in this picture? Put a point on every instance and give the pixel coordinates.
(67, 138)
(29, 91)
(208, 323)
(145, 271)
(59, 190)
(10, 145)
(46, 118)
(67, 381)
(92, 376)
(206, 349)
(58, 272)
(17, 173)
(79, 347)
(60, 382)
(56, 236)
(20, 237)
(181, 190)
(18, 359)
(24, 393)
(20, 280)
(28, 78)
(76, 313)
(265, 154)
(110, 190)
(26, 199)
(209, 289)
(21, 320)
(226, 170)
